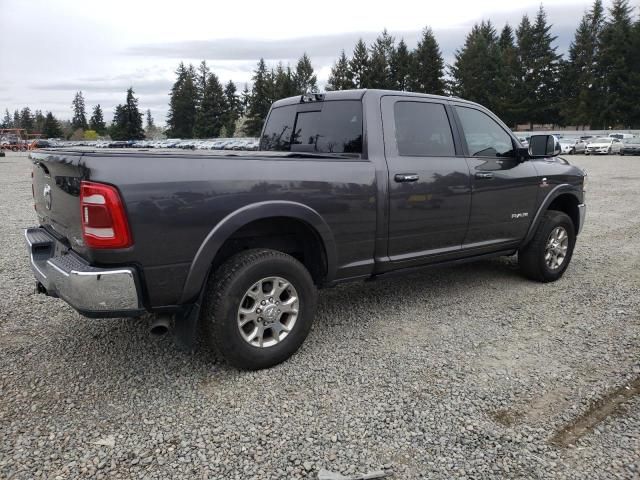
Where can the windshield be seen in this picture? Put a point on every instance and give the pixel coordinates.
(567, 141)
(631, 140)
(324, 127)
(601, 140)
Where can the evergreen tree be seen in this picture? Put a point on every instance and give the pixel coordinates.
(79, 119)
(508, 78)
(427, 66)
(380, 57)
(245, 98)
(181, 118)
(150, 122)
(340, 77)
(359, 65)
(232, 108)
(96, 122)
(634, 75)
(304, 78)
(16, 119)
(614, 67)
(260, 100)
(51, 127)
(127, 120)
(26, 120)
(7, 122)
(401, 65)
(284, 82)
(209, 117)
(38, 121)
(477, 66)
(578, 74)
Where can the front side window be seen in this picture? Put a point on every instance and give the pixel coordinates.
(423, 130)
(336, 127)
(484, 136)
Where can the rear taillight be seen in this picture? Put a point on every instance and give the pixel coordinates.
(104, 220)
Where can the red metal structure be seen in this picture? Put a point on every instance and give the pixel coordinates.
(17, 139)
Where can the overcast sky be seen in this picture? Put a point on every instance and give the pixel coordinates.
(51, 49)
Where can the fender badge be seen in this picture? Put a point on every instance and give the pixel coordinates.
(543, 182)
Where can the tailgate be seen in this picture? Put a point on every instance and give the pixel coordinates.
(56, 190)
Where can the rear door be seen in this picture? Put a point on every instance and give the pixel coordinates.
(504, 187)
(429, 184)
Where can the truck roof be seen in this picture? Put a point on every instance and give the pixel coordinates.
(357, 94)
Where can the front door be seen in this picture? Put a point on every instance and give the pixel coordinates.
(429, 185)
(504, 188)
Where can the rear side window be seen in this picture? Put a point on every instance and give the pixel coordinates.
(336, 127)
(423, 130)
(484, 136)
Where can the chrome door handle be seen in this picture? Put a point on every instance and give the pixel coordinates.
(484, 175)
(406, 177)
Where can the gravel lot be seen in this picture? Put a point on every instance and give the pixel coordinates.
(469, 371)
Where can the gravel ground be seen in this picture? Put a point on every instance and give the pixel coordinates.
(469, 371)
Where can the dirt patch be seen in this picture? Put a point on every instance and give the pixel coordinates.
(610, 404)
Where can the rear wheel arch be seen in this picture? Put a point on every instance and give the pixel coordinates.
(261, 221)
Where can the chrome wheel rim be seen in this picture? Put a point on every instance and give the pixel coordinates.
(268, 312)
(557, 247)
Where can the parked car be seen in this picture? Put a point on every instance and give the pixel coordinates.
(621, 136)
(630, 146)
(572, 145)
(347, 185)
(604, 145)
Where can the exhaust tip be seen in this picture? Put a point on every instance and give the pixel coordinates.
(160, 326)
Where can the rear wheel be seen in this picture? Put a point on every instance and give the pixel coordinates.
(258, 309)
(547, 256)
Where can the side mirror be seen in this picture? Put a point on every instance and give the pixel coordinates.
(544, 146)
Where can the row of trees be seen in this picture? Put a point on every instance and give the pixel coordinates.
(517, 73)
(126, 125)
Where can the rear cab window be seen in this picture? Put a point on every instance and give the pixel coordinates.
(423, 130)
(324, 127)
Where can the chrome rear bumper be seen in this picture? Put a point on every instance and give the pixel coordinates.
(92, 291)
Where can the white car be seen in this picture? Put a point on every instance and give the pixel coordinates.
(572, 145)
(605, 145)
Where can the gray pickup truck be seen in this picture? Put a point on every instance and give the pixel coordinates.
(347, 185)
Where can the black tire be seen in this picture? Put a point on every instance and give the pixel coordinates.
(531, 257)
(225, 290)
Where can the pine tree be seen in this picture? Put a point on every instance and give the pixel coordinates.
(578, 74)
(26, 120)
(79, 119)
(16, 119)
(150, 122)
(401, 67)
(38, 121)
(477, 66)
(634, 75)
(508, 77)
(359, 65)
(380, 56)
(96, 122)
(7, 122)
(305, 79)
(210, 113)
(51, 127)
(245, 98)
(284, 82)
(181, 118)
(427, 66)
(614, 69)
(260, 99)
(232, 108)
(127, 120)
(340, 77)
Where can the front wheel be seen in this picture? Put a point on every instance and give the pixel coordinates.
(547, 256)
(258, 308)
